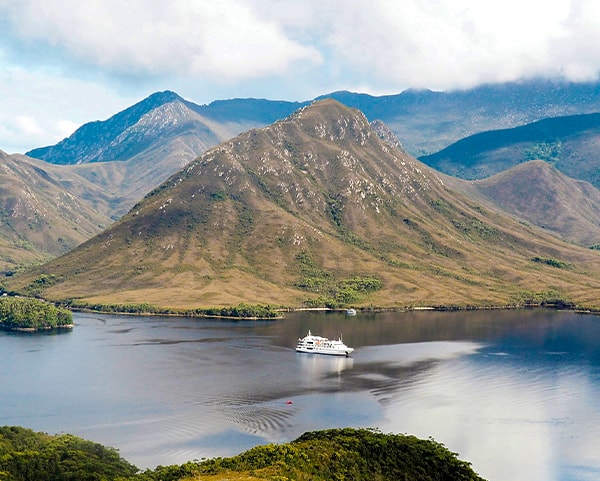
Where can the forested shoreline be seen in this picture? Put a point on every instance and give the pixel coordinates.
(29, 314)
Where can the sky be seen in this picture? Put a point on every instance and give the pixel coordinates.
(67, 62)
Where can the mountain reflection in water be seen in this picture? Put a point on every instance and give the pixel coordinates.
(513, 392)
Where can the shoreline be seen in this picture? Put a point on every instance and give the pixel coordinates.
(359, 310)
(35, 329)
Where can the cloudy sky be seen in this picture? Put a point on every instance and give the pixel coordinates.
(67, 62)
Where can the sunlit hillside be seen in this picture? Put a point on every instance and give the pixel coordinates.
(316, 210)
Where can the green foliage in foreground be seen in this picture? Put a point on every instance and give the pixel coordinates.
(241, 311)
(26, 455)
(28, 313)
(336, 454)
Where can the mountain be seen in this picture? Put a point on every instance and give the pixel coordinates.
(427, 121)
(137, 149)
(539, 193)
(122, 136)
(315, 209)
(156, 119)
(424, 120)
(39, 217)
(569, 143)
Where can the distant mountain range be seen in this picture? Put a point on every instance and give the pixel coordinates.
(569, 143)
(110, 165)
(311, 210)
(424, 121)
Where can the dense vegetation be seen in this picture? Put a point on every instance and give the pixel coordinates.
(27, 456)
(241, 311)
(335, 454)
(550, 262)
(28, 313)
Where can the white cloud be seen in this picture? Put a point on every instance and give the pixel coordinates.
(26, 125)
(446, 44)
(219, 40)
(75, 58)
(436, 44)
(41, 107)
(64, 128)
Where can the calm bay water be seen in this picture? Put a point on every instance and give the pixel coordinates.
(516, 393)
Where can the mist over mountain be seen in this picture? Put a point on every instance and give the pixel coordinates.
(313, 209)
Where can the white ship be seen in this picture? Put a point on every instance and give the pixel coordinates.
(322, 345)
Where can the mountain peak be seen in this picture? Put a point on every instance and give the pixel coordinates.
(89, 142)
(329, 112)
(155, 100)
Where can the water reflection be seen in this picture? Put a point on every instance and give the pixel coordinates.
(319, 367)
(514, 392)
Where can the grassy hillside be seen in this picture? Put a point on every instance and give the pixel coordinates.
(39, 217)
(316, 210)
(540, 194)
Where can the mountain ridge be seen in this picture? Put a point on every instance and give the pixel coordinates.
(568, 142)
(98, 132)
(315, 209)
(539, 193)
(426, 121)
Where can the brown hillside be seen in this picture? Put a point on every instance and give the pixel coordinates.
(39, 218)
(539, 193)
(316, 207)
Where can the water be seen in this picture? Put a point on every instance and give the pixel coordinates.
(513, 392)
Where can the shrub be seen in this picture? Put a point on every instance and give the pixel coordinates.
(550, 262)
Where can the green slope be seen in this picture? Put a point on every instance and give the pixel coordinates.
(568, 143)
(322, 455)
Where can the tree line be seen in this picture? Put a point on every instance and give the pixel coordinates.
(331, 455)
(30, 313)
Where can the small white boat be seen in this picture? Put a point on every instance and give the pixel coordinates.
(351, 312)
(322, 345)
